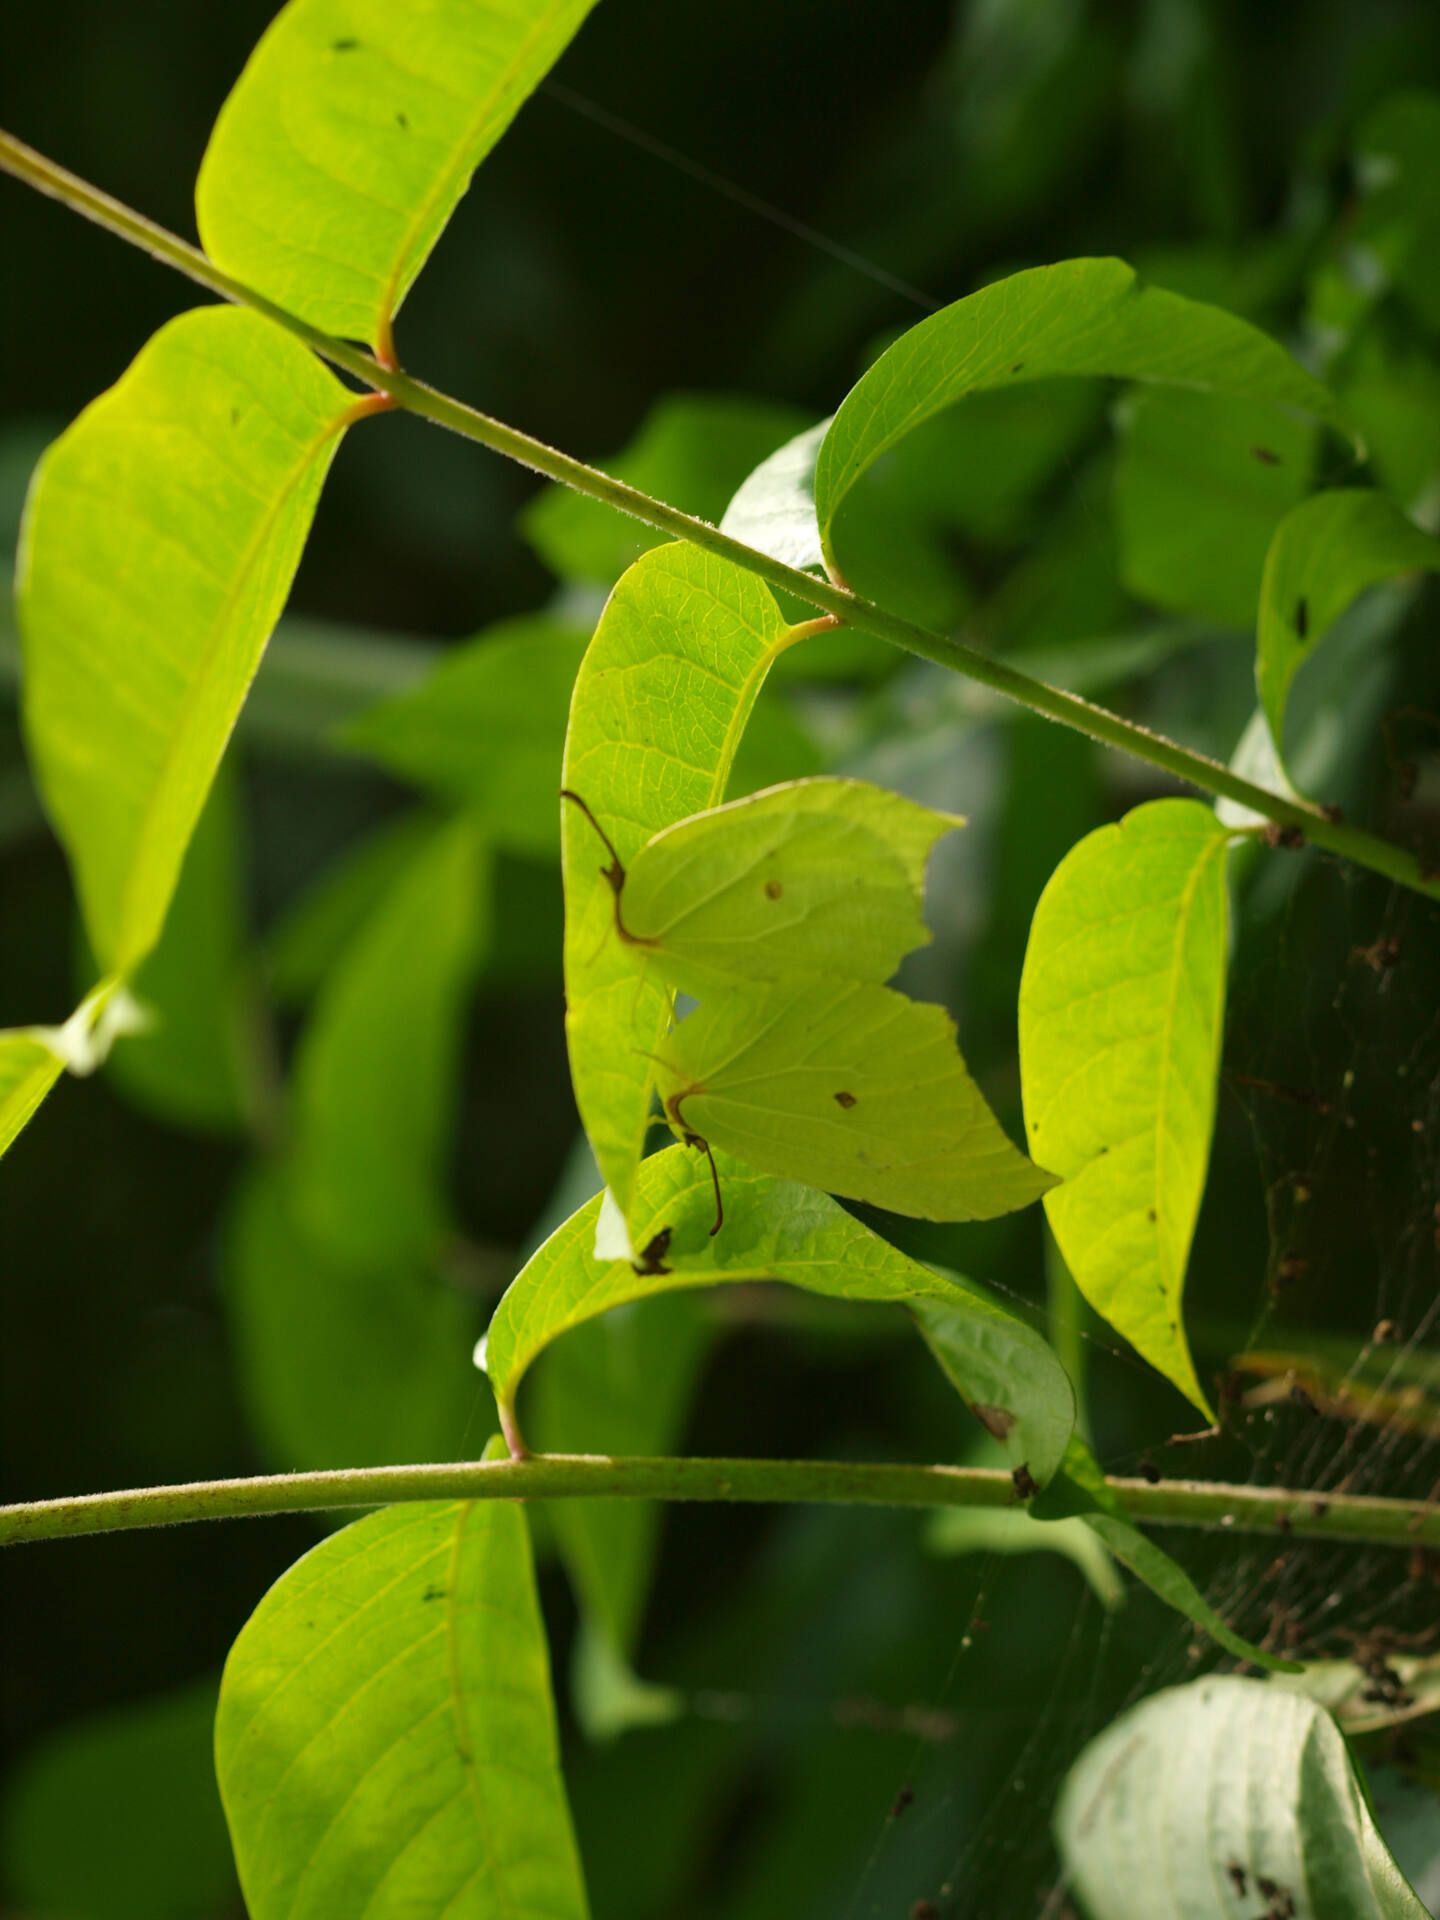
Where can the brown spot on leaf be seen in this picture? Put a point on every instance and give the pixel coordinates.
(997, 1421)
(773, 889)
(844, 1099)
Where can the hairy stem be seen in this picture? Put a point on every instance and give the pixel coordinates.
(1185, 1503)
(1352, 843)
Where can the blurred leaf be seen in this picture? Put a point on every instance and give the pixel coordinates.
(29, 1068)
(1323, 554)
(1079, 1491)
(386, 1741)
(953, 1531)
(139, 646)
(1202, 483)
(1079, 317)
(850, 1087)
(189, 1065)
(1393, 396)
(607, 1696)
(987, 1353)
(313, 934)
(345, 144)
(826, 875)
(1121, 1011)
(692, 451)
(660, 702)
(376, 1072)
(339, 1364)
(1397, 160)
(117, 1817)
(618, 1384)
(775, 1230)
(486, 729)
(1365, 1699)
(1209, 1797)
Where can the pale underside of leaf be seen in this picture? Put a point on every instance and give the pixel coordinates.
(824, 874)
(350, 137)
(774, 1230)
(386, 1741)
(161, 536)
(1183, 1806)
(1121, 1014)
(659, 706)
(850, 1087)
(774, 510)
(1327, 550)
(1080, 317)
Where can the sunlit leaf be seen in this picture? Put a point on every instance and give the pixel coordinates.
(140, 1783)
(1079, 317)
(1078, 1491)
(775, 508)
(1323, 554)
(344, 1364)
(660, 702)
(191, 1064)
(827, 875)
(1225, 1797)
(487, 728)
(1121, 1014)
(376, 1073)
(692, 451)
(160, 538)
(777, 1231)
(350, 136)
(29, 1068)
(1202, 482)
(849, 1087)
(386, 1741)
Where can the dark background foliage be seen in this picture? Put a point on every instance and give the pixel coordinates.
(584, 277)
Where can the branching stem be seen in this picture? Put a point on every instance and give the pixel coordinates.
(1313, 822)
(1186, 1503)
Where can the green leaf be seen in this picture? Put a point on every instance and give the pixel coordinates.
(692, 451)
(1079, 317)
(350, 137)
(29, 1068)
(386, 1741)
(139, 1784)
(775, 508)
(338, 1364)
(1079, 1491)
(160, 538)
(1323, 554)
(1202, 483)
(1121, 1014)
(660, 703)
(825, 875)
(951, 1532)
(1189, 1804)
(849, 1087)
(1396, 222)
(377, 1069)
(778, 1231)
(190, 1065)
(487, 729)
(988, 1354)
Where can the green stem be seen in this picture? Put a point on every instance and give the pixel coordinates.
(1197, 769)
(1186, 1503)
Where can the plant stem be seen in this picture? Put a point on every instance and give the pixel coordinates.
(1186, 1503)
(1210, 776)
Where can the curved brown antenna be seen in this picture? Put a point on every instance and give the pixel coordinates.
(693, 1139)
(614, 874)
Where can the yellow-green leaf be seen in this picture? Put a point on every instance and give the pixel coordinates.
(777, 1230)
(160, 538)
(1121, 1012)
(660, 704)
(351, 135)
(386, 1740)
